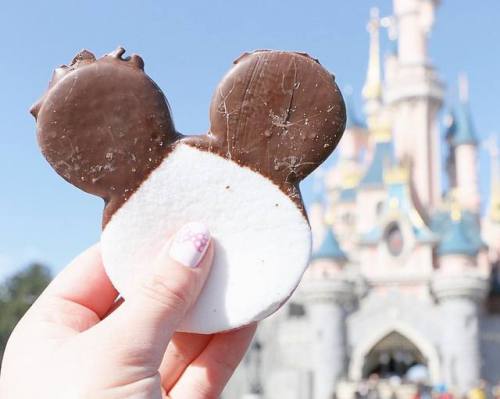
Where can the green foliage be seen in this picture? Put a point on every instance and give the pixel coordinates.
(17, 294)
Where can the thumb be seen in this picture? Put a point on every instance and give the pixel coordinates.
(145, 322)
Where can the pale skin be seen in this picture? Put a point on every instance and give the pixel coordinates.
(78, 342)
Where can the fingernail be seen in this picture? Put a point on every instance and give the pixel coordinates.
(190, 244)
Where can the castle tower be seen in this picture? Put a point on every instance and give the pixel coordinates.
(326, 290)
(465, 147)
(415, 95)
(459, 298)
(460, 288)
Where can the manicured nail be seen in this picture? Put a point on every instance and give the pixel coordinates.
(190, 244)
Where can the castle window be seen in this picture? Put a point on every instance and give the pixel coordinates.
(348, 218)
(394, 239)
(379, 208)
(296, 310)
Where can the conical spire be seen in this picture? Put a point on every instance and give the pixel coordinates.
(463, 128)
(329, 248)
(457, 240)
(372, 89)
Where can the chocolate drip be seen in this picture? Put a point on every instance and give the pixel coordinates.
(104, 125)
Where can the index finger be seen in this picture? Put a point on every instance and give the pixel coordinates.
(85, 283)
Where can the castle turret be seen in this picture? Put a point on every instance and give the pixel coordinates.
(415, 19)
(459, 297)
(460, 287)
(465, 142)
(326, 290)
(460, 237)
(415, 95)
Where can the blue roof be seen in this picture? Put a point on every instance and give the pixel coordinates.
(458, 237)
(348, 195)
(329, 248)
(382, 158)
(352, 117)
(462, 129)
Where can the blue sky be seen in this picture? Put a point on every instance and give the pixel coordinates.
(187, 46)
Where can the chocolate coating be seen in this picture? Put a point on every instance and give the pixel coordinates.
(279, 113)
(104, 125)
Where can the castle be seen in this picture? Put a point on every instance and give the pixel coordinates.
(403, 274)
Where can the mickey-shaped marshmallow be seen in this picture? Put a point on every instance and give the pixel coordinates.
(105, 126)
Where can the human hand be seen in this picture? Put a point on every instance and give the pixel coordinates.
(78, 341)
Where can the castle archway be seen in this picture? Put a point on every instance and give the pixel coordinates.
(393, 355)
(394, 350)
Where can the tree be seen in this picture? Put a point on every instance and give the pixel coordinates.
(17, 294)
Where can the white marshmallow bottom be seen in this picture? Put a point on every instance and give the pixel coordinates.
(262, 240)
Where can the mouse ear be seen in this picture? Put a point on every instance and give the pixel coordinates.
(104, 124)
(280, 113)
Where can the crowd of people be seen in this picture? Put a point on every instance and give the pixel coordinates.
(376, 388)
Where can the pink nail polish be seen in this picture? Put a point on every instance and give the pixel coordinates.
(190, 244)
